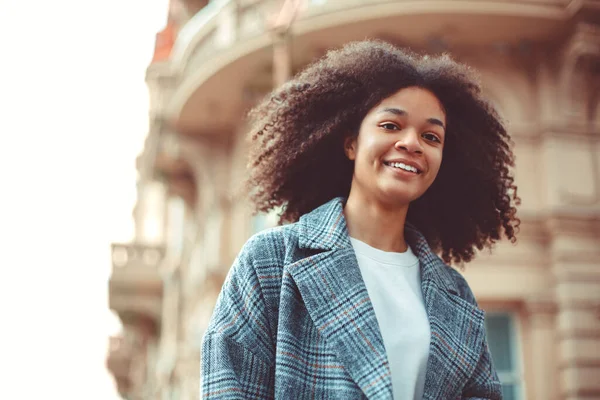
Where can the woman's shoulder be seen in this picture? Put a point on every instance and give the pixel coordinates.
(271, 243)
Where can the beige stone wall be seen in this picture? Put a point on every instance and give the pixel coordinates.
(547, 89)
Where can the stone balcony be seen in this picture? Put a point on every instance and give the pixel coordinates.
(225, 50)
(136, 286)
(224, 23)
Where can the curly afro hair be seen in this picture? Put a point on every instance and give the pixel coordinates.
(297, 160)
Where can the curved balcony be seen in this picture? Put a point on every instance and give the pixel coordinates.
(135, 286)
(224, 52)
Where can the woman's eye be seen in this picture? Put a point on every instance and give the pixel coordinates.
(389, 126)
(431, 137)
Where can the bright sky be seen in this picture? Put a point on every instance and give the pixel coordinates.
(73, 116)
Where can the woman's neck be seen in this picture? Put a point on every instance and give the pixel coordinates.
(375, 224)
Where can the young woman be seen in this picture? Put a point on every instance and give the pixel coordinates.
(380, 160)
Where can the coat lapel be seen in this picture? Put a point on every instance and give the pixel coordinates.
(457, 326)
(336, 298)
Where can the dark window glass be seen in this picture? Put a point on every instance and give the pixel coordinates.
(501, 340)
(499, 335)
(509, 392)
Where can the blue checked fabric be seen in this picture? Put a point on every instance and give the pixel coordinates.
(294, 321)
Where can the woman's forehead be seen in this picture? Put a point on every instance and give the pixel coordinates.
(409, 101)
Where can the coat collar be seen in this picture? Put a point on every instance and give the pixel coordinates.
(336, 297)
(337, 300)
(325, 229)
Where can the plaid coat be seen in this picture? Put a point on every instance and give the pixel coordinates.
(294, 321)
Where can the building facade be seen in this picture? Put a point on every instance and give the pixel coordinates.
(539, 62)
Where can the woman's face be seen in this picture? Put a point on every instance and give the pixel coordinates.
(398, 151)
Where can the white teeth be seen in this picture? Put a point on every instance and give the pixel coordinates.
(403, 166)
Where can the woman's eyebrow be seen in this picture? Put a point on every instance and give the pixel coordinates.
(436, 121)
(393, 110)
(403, 113)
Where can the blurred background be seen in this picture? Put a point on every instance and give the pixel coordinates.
(123, 153)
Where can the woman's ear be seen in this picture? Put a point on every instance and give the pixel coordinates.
(350, 147)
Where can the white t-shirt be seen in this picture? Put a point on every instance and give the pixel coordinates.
(394, 284)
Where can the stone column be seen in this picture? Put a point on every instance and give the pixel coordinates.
(576, 258)
(282, 54)
(282, 57)
(573, 196)
(542, 322)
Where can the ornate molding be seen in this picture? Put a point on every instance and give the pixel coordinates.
(541, 304)
(579, 334)
(574, 221)
(578, 257)
(582, 364)
(175, 169)
(581, 305)
(161, 80)
(585, 393)
(544, 225)
(580, 62)
(571, 130)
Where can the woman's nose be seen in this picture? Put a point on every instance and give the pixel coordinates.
(409, 142)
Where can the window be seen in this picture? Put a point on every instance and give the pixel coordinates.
(502, 340)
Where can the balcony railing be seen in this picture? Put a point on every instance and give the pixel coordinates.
(218, 26)
(135, 287)
(223, 23)
(137, 256)
(317, 7)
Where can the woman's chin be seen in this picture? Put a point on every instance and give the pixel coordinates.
(399, 198)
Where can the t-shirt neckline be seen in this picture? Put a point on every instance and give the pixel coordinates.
(406, 259)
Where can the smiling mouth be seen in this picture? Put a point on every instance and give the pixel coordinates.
(402, 166)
